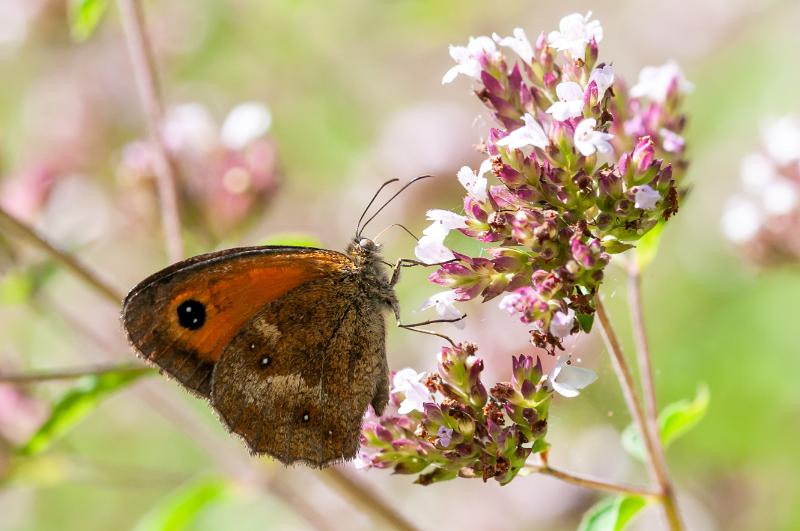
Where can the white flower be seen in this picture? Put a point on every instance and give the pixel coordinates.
(741, 220)
(408, 382)
(443, 302)
(575, 31)
(587, 140)
(530, 134)
(756, 172)
(189, 127)
(362, 461)
(561, 323)
(570, 104)
(646, 198)
(567, 380)
(603, 78)
(781, 139)
(245, 123)
(655, 81)
(448, 220)
(519, 43)
(779, 196)
(509, 303)
(466, 58)
(671, 142)
(430, 248)
(476, 185)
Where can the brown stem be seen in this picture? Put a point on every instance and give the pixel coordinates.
(365, 498)
(592, 483)
(70, 373)
(65, 259)
(144, 71)
(644, 360)
(656, 467)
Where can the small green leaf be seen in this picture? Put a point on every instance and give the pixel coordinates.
(84, 16)
(181, 508)
(76, 404)
(19, 285)
(680, 417)
(647, 246)
(612, 514)
(614, 246)
(675, 420)
(289, 238)
(585, 321)
(16, 287)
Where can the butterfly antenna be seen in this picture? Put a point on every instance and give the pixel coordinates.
(377, 236)
(374, 197)
(400, 191)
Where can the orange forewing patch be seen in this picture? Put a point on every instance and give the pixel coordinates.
(232, 285)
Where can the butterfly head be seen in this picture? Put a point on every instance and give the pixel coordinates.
(364, 252)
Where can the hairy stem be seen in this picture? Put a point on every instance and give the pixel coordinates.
(652, 445)
(28, 234)
(644, 360)
(361, 496)
(144, 71)
(592, 483)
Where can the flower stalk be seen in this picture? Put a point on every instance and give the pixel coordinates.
(646, 425)
(141, 54)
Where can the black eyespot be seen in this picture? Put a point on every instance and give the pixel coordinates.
(265, 361)
(306, 416)
(191, 314)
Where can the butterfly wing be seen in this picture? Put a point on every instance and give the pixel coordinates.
(295, 382)
(182, 317)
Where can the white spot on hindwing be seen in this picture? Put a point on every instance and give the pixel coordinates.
(268, 331)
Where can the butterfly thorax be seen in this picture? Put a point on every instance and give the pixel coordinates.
(371, 271)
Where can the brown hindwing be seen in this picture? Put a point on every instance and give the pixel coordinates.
(296, 381)
(182, 317)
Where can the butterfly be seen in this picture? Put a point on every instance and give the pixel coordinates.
(286, 343)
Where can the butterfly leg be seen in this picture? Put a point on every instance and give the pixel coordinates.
(409, 262)
(414, 327)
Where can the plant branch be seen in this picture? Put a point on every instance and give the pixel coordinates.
(644, 360)
(651, 445)
(592, 483)
(366, 499)
(68, 261)
(71, 373)
(144, 71)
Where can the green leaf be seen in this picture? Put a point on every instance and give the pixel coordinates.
(612, 514)
(585, 321)
(76, 404)
(181, 508)
(289, 238)
(19, 285)
(680, 417)
(647, 246)
(16, 287)
(675, 420)
(84, 16)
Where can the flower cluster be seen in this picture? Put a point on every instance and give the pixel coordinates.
(764, 219)
(578, 168)
(447, 425)
(228, 172)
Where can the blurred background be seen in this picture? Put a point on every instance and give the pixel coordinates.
(338, 99)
